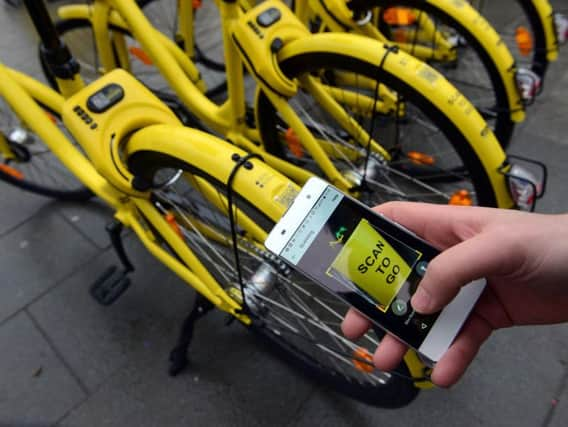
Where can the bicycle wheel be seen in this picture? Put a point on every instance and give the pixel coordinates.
(473, 72)
(521, 28)
(290, 313)
(432, 160)
(30, 165)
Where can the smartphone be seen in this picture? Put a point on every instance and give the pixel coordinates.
(372, 263)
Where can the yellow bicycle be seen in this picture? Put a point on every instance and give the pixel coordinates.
(381, 126)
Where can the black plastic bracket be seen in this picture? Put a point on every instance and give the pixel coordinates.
(178, 356)
(114, 230)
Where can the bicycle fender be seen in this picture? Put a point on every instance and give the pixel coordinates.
(546, 15)
(425, 80)
(260, 184)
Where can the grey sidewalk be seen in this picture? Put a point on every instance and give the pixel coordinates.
(66, 361)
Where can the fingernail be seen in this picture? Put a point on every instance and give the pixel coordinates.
(421, 301)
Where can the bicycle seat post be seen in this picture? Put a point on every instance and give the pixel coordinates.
(56, 55)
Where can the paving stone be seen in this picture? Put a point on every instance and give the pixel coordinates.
(36, 256)
(90, 218)
(559, 407)
(97, 340)
(18, 36)
(230, 383)
(18, 206)
(35, 387)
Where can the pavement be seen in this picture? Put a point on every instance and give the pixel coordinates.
(66, 361)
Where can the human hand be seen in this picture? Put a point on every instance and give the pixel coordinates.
(524, 258)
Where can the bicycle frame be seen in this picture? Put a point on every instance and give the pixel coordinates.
(135, 210)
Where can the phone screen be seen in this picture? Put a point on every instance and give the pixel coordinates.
(368, 261)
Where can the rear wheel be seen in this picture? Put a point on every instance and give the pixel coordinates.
(290, 313)
(27, 163)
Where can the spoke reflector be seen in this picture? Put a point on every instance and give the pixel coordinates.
(421, 158)
(14, 173)
(461, 198)
(399, 16)
(51, 117)
(141, 55)
(294, 144)
(363, 360)
(171, 219)
(524, 40)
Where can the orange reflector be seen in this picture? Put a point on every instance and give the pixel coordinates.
(524, 40)
(51, 117)
(294, 144)
(14, 173)
(421, 158)
(360, 358)
(141, 55)
(399, 16)
(400, 35)
(461, 198)
(171, 219)
(196, 4)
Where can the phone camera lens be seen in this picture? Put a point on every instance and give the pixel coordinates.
(283, 232)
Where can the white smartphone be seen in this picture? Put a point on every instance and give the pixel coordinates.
(370, 262)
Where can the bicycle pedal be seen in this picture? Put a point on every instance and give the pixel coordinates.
(110, 286)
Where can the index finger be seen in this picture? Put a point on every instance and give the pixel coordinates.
(441, 225)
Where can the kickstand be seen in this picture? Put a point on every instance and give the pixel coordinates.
(178, 356)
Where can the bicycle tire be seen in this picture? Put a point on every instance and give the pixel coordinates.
(269, 319)
(539, 61)
(35, 168)
(320, 63)
(503, 126)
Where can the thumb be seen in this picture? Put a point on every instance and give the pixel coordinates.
(481, 256)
